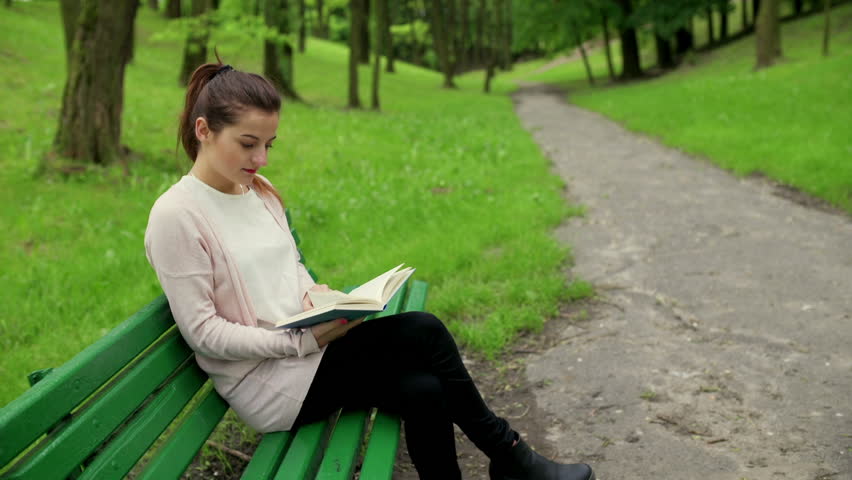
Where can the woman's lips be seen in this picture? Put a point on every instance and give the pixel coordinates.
(250, 171)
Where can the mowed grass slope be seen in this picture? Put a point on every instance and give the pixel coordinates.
(446, 181)
(790, 122)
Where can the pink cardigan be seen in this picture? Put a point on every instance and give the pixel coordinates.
(263, 374)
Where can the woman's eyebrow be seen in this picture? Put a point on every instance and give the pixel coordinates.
(256, 138)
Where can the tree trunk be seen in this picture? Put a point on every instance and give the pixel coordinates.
(588, 67)
(723, 16)
(630, 67)
(90, 120)
(506, 57)
(491, 35)
(683, 41)
(378, 15)
(70, 18)
(664, 52)
(356, 19)
(827, 29)
(154, 4)
(387, 39)
(302, 26)
(479, 42)
(451, 35)
(797, 7)
(278, 57)
(195, 48)
(321, 29)
(172, 9)
(607, 48)
(711, 39)
(364, 31)
(755, 11)
(464, 61)
(440, 40)
(744, 11)
(768, 34)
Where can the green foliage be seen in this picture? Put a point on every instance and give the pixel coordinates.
(446, 181)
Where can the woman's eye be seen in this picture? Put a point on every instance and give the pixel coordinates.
(268, 147)
(245, 145)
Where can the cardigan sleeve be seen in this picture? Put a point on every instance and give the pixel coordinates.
(181, 259)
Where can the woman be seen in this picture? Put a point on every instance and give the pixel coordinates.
(222, 250)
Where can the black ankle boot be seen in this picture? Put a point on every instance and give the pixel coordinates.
(522, 463)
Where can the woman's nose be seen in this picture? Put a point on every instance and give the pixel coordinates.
(261, 159)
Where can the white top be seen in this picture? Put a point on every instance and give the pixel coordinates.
(264, 256)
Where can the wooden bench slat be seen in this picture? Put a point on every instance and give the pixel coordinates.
(177, 453)
(266, 459)
(73, 442)
(416, 300)
(381, 449)
(32, 414)
(137, 437)
(343, 446)
(304, 453)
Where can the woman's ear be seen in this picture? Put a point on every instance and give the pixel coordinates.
(202, 130)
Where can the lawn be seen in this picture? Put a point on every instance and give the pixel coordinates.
(446, 181)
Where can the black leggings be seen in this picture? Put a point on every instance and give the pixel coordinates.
(408, 364)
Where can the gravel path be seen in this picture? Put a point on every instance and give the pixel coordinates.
(720, 345)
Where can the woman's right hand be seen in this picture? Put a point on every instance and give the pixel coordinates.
(333, 329)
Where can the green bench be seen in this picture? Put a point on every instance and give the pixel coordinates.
(137, 393)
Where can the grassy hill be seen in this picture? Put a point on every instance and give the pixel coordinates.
(447, 181)
(789, 122)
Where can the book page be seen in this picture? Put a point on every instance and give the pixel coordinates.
(374, 289)
(396, 281)
(321, 299)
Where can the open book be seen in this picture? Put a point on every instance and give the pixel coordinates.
(367, 299)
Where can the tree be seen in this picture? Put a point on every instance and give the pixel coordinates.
(195, 48)
(154, 4)
(387, 38)
(441, 41)
(629, 44)
(172, 9)
(379, 15)
(724, 10)
(607, 49)
(356, 19)
(827, 29)
(278, 49)
(90, 119)
(321, 29)
(364, 32)
(302, 26)
(664, 51)
(768, 34)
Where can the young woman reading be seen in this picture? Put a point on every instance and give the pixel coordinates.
(219, 242)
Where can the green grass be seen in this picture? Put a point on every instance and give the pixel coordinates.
(789, 122)
(447, 181)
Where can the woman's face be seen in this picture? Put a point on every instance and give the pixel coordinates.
(231, 157)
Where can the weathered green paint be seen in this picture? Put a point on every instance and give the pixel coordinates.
(381, 451)
(266, 459)
(416, 300)
(304, 454)
(137, 437)
(34, 413)
(176, 455)
(342, 450)
(75, 441)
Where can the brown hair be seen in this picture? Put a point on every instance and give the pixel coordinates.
(221, 94)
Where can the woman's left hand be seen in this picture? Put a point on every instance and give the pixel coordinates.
(306, 300)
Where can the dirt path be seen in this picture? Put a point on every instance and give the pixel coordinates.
(720, 346)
